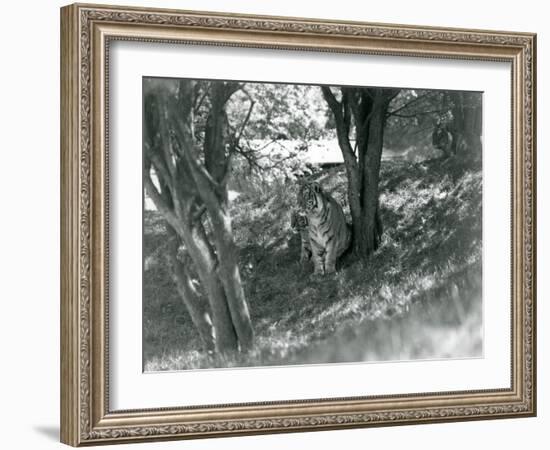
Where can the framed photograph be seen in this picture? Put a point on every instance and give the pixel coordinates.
(276, 224)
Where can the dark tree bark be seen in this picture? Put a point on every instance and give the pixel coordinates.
(192, 298)
(364, 110)
(192, 188)
(466, 125)
(210, 180)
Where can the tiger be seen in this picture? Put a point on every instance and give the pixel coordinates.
(443, 140)
(329, 234)
(299, 222)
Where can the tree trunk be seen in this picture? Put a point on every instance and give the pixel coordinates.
(217, 163)
(354, 187)
(466, 126)
(230, 277)
(191, 190)
(206, 263)
(367, 226)
(368, 106)
(210, 179)
(371, 230)
(195, 305)
(196, 242)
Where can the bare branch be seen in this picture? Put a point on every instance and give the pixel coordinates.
(412, 102)
(351, 98)
(197, 214)
(422, 113)
(279, 162)
(360, 127)
(333, 104)
(245, 122)
(198, 170)
(245, 92)
(208, 187)
(229, 88)
(341, 131)
(251, 159)
(259, 149)
(199, 102)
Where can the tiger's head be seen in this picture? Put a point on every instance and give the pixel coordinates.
(310, 196)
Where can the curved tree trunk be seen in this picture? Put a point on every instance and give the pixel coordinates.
(210, 179)
(196, 184)
(230, 277)
(195, 305)
(217, 163)
(205, 262)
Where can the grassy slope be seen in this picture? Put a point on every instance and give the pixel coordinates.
(418, 296)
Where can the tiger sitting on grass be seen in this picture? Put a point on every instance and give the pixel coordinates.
(329, 234)
(298, 222)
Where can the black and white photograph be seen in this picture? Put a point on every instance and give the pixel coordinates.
(291, 224)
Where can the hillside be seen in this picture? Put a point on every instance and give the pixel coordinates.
(418, 296)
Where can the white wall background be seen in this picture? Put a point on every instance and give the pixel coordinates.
(29, 288)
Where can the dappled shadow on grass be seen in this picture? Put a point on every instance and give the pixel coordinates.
(168, 333)
(418, 296)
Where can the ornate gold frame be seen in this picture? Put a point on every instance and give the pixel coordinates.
(86, 31)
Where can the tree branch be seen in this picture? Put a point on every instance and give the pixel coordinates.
(412, 102)
(333, 104)
(208, 188)
(248, 155)
(346, 119)
(422, 113)
(245, 122)
(350, 93)
(341, 131)
(199, 211)
(200, 101)
(229, 88)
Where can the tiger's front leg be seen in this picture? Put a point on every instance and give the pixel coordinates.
(305, 252)
(330, 259)
(318, 261)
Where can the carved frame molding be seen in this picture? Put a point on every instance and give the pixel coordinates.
(86, 31)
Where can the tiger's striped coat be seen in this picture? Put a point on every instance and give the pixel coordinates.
(299, 222)
(329, 234)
